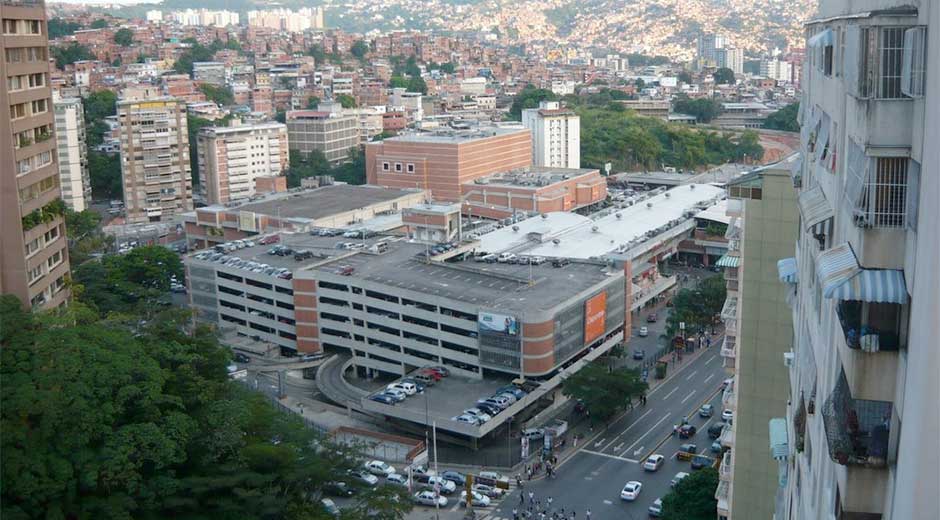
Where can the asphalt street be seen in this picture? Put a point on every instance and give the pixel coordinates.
(593, 477)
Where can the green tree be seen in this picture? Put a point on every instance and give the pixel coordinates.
(196, 52)
(411, 66)
(280, 116)
(319, 55)
(346, 100)
(100, 104)
(529, 97)
(417, 84)
(303, 165)
(312, 102)
(697, 308)
(69, 54)
(748, 147)
(693, 498)
(100, 23)
(724, 76)
(85, 236)
(124, 37)
(448, 68)
(603, 391)
(398, 82)
(104, 172)
(359, 49)
(130, 282)
(640, 84)
(784, 119)
(220, 95)
(685, 77)
(704, 109)
(81, 223)
(58, 28)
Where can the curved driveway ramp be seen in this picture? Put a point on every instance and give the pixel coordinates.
(332, 384)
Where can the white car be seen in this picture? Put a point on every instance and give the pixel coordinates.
(631, 491)
(397, 394)
(397, 479)
(407, 388)
(505, 258)
(654, 462)
(492, 475)
(367, 478)
(444, 486)
(377, 467)
(469, 419)
(644, 331)
(490, 491)
(476, 412)
(678, 478)
(428, 498)
(478, 499)
(727, 415)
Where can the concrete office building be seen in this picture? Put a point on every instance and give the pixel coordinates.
(34, 260)
(862, 427)
(731, 58)
(441, 160)
(232, 157)
(155, 169)
(763, 208)
(327, 129)
(709, 47)
(73, 154)
(556, 135)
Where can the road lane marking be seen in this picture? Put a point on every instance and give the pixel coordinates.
(710, 360)
(617, 447)
(647, 433)
(691, 375)
(687, 397)
(609, 456)
(638, 451)
(674, 390)
(624, 432)
(598, 443)
(709, 378)
(608, 502)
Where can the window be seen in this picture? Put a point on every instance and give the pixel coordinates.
(34, 274)
(39, 106)
(385, 167)
(873, 62)
(10, 27)
(881, 187)
(52, 234)
(411, 168)
(914, 62)
(54, 260)
(15, 83)
(827, 60)
(24, 166)
(37, 80)
(398, 167)
(32, 246)
(18, 110)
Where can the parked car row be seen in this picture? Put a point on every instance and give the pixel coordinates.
(408, 386)
(488, 407)
(248, 265)
(508, 258)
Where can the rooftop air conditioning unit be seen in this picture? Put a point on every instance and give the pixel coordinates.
(556, 241)
(515, 228)
(594, 229)
(649, 205)
(668, 194)
(619, 216)
(691, 186)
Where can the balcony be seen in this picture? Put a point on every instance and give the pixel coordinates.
(724, 472)
(727, 437)
(871, 327)
(723, 495)
(729, 399)
(730, 310)
(857, 430)
(728, 349)
(731, 285)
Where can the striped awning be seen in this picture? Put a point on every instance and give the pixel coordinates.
(728, 261)
(787, 270)
(814, 208)
(779, 445)
(842, 278)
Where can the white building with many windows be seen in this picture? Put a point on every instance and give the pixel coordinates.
(861, 433)
(231, 158)
(556, 135)
(73, 156)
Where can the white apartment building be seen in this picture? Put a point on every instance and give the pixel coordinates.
(204, 17)
(73, 155)
(287, 20)
(862, 428)
(556, 135)
(155, 169)
(776, 69)
(231, 158)
(732, 58)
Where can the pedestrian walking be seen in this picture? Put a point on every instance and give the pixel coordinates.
(521, 498)
(515, 515)
(588, 514)
(549, 502)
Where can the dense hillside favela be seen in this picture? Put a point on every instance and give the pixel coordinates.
(469, 259)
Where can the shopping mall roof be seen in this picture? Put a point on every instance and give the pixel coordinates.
(716, 213)
(574, 236)
(456, 136)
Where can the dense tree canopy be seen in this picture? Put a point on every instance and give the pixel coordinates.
(69, 54)
(784, 119)
(693, 498)
(724, 76)
(104, 171)
(85, 236)
(529, 97)
(704, 109)
(346, 100)
(359, 49)
(312, 102)
(315, 164)
(603, 391)
(698, 307)
(100, 23)
(220, 95)
(124, 37)
(58, 27)
(132, 282)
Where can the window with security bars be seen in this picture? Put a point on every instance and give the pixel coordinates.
(874, 61)
(914, 64)
(883, 201)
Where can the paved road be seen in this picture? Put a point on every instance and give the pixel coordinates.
(592, 478)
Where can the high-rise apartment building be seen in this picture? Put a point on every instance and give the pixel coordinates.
(155, 169)
(732, 58)
(288, 20)
(328, 130)
(34, 261)
(763, 209)
(556, 135)
(232, 157)
(73, 154)
(859, 439)
(776, 69)
(709, 46)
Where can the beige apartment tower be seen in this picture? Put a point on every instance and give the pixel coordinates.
(155, 169)
(73, 154)
(764, 216)
(232, 157)
(34, 263)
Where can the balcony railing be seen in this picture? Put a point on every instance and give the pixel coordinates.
(727, 436)
(726, 467)
(722, 495)
(728, 347)
(871, 327)
(731, 285)
(729, 399)
(857, 430)
(730, 310)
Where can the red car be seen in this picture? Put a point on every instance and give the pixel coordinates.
(432, 373)
(271, 239)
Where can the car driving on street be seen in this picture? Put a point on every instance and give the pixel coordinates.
(631, 491)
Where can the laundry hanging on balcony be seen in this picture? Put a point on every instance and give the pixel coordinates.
(842, 278)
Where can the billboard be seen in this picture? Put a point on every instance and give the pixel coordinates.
(499, 323)
(595, 313)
